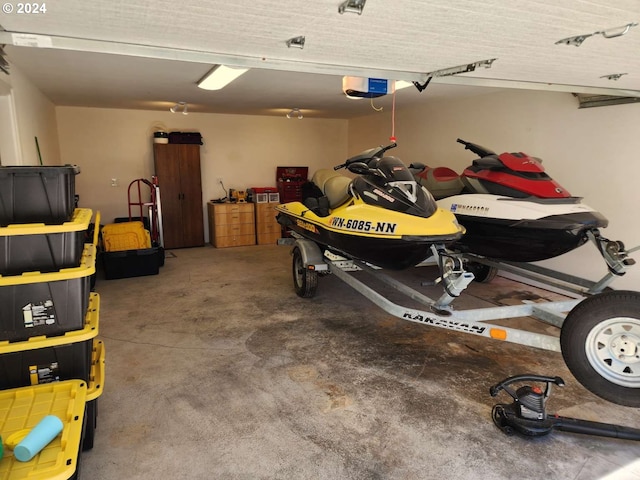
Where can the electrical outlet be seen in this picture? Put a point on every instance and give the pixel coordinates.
(114, 182)
(219, 179)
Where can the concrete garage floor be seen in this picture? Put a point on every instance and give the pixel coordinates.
(217, 370)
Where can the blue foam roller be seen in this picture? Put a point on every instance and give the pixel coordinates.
(39, 437)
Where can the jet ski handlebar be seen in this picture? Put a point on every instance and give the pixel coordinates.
(367, 155)
(477, 149)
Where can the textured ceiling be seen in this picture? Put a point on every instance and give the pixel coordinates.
(393, 39)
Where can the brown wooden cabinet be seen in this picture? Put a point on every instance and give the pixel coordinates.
(268, 230)
(177, 167)
(231, 224)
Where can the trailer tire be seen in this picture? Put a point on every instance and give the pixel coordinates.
(600, 342)
(305, 281)
(481, 273)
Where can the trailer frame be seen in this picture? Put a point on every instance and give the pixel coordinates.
(312, 260)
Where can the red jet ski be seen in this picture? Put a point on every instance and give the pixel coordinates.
(511, 208)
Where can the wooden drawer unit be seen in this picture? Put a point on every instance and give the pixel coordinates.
(268, 230)
(231, 224)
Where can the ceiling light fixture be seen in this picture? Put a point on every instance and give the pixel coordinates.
(178, 106)
(295, 112)
(352, 6)
(297, 42)
(220, 76)
(577, 40)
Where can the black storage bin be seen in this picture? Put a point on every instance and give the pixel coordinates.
(185, 137)
(46, 303)
(43, 248)
(45, 365)
(89, 425)
(132, 263)
(37, 194)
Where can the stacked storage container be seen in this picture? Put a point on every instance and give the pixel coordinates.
(50, 359)
(128, 251)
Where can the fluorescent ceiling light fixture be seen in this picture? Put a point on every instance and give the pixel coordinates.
(352, 6)
(220, 76)
(178, 106)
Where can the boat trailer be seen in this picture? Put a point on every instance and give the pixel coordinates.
(599, 327)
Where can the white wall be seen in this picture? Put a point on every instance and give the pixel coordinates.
(594, 153)
(243, 150)
(10, 153)
(36, 117)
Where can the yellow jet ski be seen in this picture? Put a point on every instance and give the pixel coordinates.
(383, 216)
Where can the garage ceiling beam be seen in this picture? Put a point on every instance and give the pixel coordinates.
(22, 39)
(520, 85)
(210, 58)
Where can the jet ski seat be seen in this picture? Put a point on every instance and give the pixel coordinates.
(440, 181)
(334, 186)
(314, 199)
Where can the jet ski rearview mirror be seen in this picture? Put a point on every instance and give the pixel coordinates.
(359, 168)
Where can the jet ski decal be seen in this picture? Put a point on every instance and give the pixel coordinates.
(459, 208)
(443, 322)
(306, 225)
(384, 195)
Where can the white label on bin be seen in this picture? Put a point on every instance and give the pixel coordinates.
(44, 373)
(38, 314)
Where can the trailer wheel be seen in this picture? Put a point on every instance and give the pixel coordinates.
(481, 273)
(305, 281)
(600, 341)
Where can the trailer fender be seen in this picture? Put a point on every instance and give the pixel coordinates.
(311, 254)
